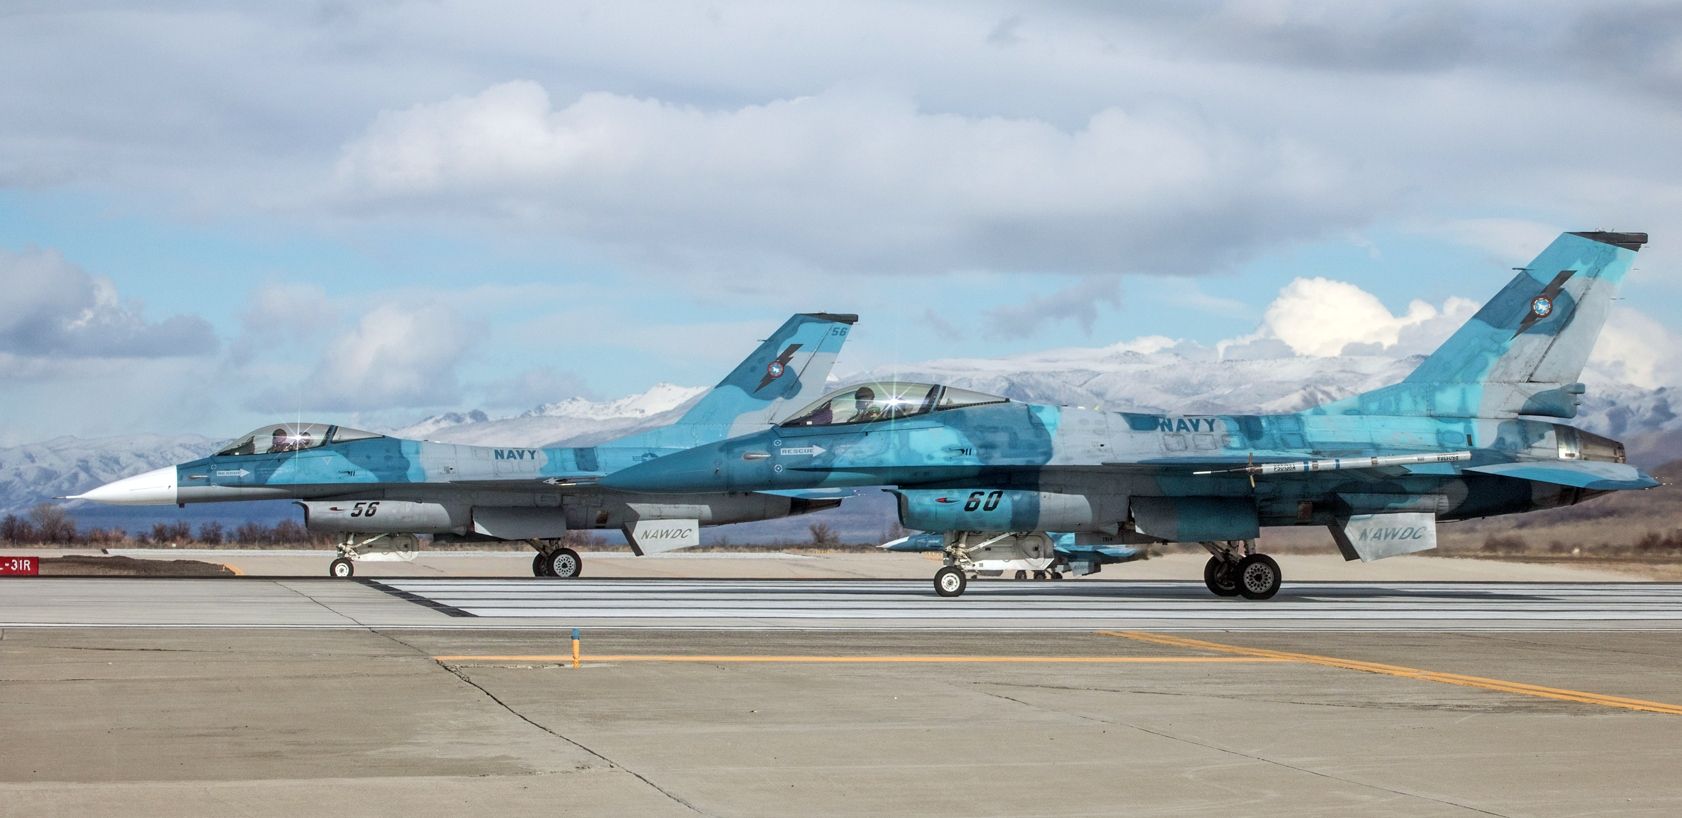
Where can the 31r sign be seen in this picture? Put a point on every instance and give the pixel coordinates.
(20, 566)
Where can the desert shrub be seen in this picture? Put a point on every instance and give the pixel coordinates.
(212, 533)
(1505, 544)
(823, 534)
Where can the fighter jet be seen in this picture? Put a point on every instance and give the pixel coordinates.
(377, 492)
(1472, 432)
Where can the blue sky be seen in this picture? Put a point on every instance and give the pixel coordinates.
(373, 212)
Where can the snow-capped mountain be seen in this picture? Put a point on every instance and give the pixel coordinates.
(36, 472)
(572, 421)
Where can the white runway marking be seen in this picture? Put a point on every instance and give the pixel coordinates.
(912, 604)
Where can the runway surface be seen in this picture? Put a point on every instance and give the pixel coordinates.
(830, 604)
(279, 697)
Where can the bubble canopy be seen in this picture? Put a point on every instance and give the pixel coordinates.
(277, 438)
(886, 400)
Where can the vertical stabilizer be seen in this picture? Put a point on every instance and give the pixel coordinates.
(1523, 353)
(784, 373)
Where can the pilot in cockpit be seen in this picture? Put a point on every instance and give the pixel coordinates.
(301, 442)
(279, 443)
(865, 407)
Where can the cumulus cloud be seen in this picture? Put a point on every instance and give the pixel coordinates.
(395, 356)
(1319, 316)
(855, 181)
(1634, 348)
(55, 310)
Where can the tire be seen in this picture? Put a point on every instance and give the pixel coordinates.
(1220, 578)
(1021, 575)
(564, 563)
(341, 568)
(540, 564)
(1258, 577)
(950, 582)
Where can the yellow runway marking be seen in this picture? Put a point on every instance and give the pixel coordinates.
(1500, 685)
(878, 660)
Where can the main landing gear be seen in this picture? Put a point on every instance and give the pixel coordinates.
(1235, 568)
(555, 561)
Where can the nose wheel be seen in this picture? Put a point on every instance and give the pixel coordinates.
(950, 581)
(341, 568)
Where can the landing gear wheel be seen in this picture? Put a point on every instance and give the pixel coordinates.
(1055, 575)
(341, 568)
(540, 564)
(1021, 574)
(564, 563)
(1221, 577)
(1258, 577)
(950, 581)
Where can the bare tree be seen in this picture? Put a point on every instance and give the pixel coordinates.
(52, 524)
(822, 534)
(15, 529)
(212, 533)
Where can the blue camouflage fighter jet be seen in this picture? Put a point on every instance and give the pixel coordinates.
(377, 492)
(1472, 432)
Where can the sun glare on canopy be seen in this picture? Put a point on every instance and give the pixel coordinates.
(885, 400)
(290, 437)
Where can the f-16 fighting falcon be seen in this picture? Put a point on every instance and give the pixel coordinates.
(378, 492)
(1472, 432)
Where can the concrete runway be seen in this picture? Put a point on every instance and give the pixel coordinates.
(258, 696)
(829, 604)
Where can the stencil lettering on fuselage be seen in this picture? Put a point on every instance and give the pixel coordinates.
(516, 454)
(1186, 425)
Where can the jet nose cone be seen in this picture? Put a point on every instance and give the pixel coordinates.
(156, 487)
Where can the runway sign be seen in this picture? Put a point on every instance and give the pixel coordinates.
(19, 566)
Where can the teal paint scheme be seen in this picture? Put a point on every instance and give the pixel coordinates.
(430, 487)
(1471, 433)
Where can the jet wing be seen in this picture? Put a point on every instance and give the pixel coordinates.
(1582, 474)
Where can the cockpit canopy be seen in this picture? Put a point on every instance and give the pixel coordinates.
(291, 437)
(885, 400)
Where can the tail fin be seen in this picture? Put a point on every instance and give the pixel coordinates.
(1523, 353)
(786, 372)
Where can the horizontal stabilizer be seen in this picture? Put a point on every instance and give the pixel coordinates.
(1369, 537)
(1582, 474)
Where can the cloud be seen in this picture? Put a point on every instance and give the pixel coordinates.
(1634, 348)
(395, 356)
(853, 181)
(54, 310)
(1319, 316)
(1077, 301)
